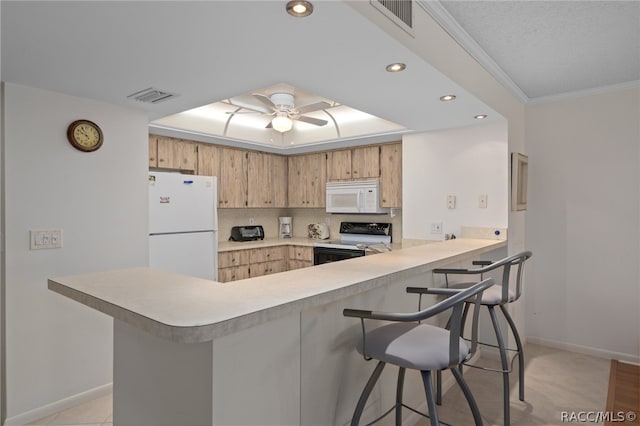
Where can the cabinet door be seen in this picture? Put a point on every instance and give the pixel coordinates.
(296, 181)
(232, 182)
(208, 160)
(391, 175)
(279, 180)
(365, 162)
(234, 273)
(233, 258)
(153, 151)
(301, 253)
(339, 165)
(258, 182)
(316, 180)
(166, 158)
(187, 155)
(298, 264)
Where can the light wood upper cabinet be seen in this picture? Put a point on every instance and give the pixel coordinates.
(232, 178)
(339, 165)
(176, 154)
(153, 152)
(365, 162)
(267, 180)
(307, 179)
(356, 163)
(391, 175)
(208, 160)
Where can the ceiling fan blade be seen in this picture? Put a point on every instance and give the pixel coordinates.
(265, 100)
(311, 120)
(313, 107)
(244, 112)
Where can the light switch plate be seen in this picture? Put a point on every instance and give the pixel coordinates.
(45, 239)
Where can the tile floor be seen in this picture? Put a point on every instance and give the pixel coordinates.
(556, 381)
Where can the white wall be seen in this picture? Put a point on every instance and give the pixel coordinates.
(464, 162)
(56, 348)
(582, 223)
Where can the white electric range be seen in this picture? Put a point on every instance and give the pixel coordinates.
(356, 239)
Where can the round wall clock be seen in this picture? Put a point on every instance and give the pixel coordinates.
(85, 135)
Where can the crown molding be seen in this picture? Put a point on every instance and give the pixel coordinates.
(584, 92)
(435, 9)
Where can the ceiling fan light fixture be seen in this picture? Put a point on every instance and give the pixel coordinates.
(299, 8)
(396, 67)
(281, 123)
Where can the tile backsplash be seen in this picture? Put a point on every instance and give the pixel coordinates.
(301, 218)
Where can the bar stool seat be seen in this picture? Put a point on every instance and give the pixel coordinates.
(407, 343)
(412, 345)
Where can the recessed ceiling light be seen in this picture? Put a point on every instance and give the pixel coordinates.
(299, 8)
(480, 116)
(397, 67)
(446, 98)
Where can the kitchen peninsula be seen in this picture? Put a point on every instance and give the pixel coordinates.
(273, 349)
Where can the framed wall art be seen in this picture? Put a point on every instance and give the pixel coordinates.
(519, 172)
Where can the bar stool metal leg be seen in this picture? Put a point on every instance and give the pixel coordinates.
(431, 401)
(512, 325)
(401, 372)
(366, 392)
(469, 396)
(505, 365)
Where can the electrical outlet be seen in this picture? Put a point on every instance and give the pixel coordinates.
(482, 201)
(436, 228)
(451, 201)
(252, 221)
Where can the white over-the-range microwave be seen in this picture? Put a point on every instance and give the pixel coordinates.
(362, 196)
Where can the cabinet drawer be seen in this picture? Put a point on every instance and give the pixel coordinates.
(266, 268)
(267, 254)
(299, 264)
(233, 258)
(232, 274)
(301, 253)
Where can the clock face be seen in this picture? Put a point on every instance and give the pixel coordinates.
(85, 135)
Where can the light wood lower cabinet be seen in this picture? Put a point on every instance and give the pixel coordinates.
(240, 264)
(300, 257)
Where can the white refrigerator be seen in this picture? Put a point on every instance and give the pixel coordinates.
(183, 224)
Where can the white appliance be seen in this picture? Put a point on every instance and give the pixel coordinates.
(361, 196)
(286, 230)
(183, 224)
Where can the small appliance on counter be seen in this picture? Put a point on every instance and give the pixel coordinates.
(286, 230)
(318, 231)
(247, 233)
(356, 239)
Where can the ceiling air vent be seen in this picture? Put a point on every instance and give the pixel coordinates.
(152, 96)
(400, 12)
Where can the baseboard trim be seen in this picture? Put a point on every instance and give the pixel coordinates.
(61, 405)
(587, 350)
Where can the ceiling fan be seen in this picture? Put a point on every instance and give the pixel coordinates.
(282, 107)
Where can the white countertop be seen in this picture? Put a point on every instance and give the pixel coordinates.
(299, 241)
(188, 309)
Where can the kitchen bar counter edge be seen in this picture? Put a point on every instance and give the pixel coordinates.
(185, 309)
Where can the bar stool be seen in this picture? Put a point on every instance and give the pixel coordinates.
(407, 343)
(499, 295)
